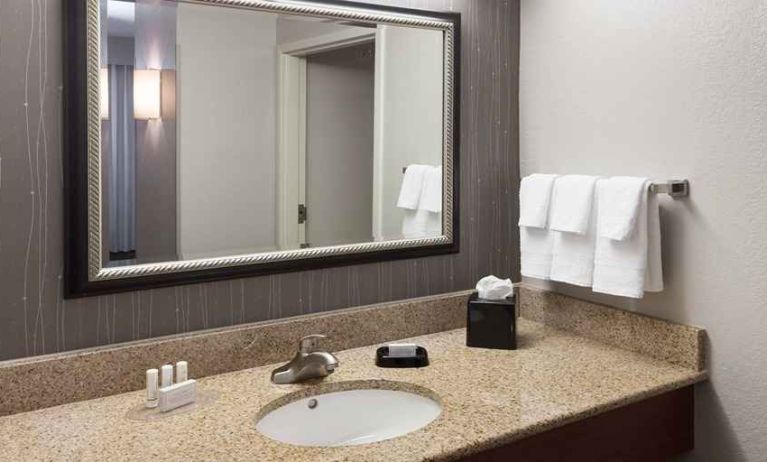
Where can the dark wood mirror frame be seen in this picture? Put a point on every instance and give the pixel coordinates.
(83, 273)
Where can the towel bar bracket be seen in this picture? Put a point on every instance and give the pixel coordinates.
(674, 188)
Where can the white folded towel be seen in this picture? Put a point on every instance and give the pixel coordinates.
(412, 186)
(619, 205)
(431, 195)
(536, 247)
(535, 241)
(421, 223)
(573, 252)
(571, 202)
(572, 259)
(534, 199)
(631, 266)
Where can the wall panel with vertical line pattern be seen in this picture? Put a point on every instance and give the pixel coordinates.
(35, 319)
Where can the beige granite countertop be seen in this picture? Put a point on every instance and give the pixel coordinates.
(490, 397)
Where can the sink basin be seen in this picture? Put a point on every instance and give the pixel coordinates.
(350, 417)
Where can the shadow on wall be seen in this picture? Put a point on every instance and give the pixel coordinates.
(712, 420)
(675, 218)
(678, 218)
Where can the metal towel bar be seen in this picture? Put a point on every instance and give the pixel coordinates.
(674, 188)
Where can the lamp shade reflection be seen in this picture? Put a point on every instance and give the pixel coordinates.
(146, 94)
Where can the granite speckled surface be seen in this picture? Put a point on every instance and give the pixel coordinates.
(27, 383)
(105, 371)
(676, 343)
(490, 397)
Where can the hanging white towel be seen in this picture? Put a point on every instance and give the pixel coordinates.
(412, 186)
(534, 199)
(619, 206)
(571, 202)
(572, 259)
(535, 240)
(421, 223)
(573, 251)
(431, 195)
(536, 247)
(631, 266)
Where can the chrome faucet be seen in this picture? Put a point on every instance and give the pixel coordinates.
(308, 363)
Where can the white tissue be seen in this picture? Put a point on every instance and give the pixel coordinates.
(493, 288)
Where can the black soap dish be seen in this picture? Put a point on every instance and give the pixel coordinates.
(421, 358)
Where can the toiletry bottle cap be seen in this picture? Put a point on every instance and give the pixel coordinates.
(166, 376)
(182, 371)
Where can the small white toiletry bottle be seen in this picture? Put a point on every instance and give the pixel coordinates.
(166, 376)
(182, 373)
(151, 388)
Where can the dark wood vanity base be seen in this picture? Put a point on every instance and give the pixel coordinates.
(647, 431)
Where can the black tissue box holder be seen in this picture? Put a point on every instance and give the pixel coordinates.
(421, 358)
(491, 323)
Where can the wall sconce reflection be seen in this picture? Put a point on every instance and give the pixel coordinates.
(104, 93)
(146, 94)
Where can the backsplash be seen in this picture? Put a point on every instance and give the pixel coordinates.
(35, 319)
(84, 375)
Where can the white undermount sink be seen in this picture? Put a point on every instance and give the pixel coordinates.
(351, 417)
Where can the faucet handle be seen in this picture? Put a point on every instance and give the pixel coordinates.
(309, 343)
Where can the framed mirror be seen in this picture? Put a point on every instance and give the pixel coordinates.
(212, 139)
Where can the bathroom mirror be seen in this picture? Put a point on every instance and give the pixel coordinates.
(211, 139)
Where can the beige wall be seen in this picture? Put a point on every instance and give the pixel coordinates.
(408, 115)
(227, 112)
(291, 28)
(671, 89)
(339, 146)
(156, 147)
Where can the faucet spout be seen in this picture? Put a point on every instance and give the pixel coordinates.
(308, 363)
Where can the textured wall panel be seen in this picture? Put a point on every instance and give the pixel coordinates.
(34, 319)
